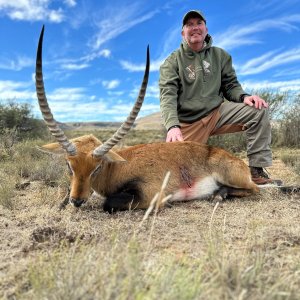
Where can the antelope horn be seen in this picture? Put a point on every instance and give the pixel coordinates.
(126, 126)
(43, 103)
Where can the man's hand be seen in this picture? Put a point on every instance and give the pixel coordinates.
(256, 101)
(174, 135)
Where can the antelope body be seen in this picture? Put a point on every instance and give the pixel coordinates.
(130, 177)
(197, 171)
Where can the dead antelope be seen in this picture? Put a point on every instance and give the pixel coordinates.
(129, 178)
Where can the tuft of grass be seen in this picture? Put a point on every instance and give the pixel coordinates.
(7, 190)
(292, 160)
(31, 163)
(120, 270)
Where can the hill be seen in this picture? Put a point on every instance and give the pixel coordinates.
(152, 121)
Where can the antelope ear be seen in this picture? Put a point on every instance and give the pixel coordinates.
(53, 148)
(113, 157)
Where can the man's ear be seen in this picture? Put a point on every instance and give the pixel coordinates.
(53, 148)
(113, 157)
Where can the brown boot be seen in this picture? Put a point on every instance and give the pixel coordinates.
(260, 177)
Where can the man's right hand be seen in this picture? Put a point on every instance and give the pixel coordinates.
(174, 135)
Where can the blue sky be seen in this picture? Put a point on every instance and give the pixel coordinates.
(94, 51)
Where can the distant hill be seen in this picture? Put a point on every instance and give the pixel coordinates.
(153, 121)
(89, 126)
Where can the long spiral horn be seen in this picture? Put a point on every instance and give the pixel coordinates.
(43, 103)
(126, 126)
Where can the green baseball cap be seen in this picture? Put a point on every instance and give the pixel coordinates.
(193, 14)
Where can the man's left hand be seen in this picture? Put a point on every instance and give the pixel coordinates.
(255, 101)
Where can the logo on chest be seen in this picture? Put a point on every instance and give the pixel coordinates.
(192, 71)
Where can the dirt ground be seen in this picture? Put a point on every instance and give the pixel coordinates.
(36, 225)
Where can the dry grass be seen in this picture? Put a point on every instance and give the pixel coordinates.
(238, 249)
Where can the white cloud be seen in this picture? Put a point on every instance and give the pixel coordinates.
(112, 84)
(67, 95)
(240, 36)
(31, 10)
(80, 111)
(71, 66)
(129, 66)
(115, 93)
(171, 41)
(90, 57)
(114, 22)
(70, 3)
(16, 65)
(16, 90)
(268, 61)
(152, 91)
(281, 86)
(149, 108)
(105, 53)
(290, 71)
(13, 85)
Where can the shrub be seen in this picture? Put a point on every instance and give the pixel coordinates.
(292, 159)
(17, 122)
(7, 190)
(290, 125)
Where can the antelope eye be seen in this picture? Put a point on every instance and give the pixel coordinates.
(70, 171)
(98, 168)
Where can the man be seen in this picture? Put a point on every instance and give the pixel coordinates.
(194, 80)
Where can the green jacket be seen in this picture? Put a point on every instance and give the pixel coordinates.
(192, 84)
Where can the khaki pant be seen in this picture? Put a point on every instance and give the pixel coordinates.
(232, 117)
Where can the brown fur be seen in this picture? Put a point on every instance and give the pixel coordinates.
(141, 175)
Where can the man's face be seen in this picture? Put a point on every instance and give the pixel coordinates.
(194, 32)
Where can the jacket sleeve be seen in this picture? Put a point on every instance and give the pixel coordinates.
(168, 87)
(230, 86)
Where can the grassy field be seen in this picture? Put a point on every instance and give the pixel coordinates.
(238, 249)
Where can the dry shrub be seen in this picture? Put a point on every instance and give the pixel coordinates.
(31, 163)
(290, 125)
(292, 160)
(7, 190)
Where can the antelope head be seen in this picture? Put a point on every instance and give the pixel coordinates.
(84, 155)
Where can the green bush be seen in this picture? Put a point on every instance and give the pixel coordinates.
(290, 126)
(17, 122)
(276, 101)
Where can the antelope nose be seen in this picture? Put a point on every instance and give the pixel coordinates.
(77, 202)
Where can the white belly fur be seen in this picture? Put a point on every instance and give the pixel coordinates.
(203, 188)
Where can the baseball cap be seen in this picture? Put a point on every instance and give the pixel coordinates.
(191, 14)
